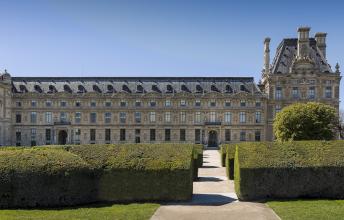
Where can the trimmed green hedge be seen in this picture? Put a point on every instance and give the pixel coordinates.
(228, 159)
(289, 170)
(44, 177)
(79, 174)
(222, 153)
(198, 159)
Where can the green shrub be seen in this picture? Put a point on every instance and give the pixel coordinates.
(31, 177)
(230, 151)
(289, 170)
(223, 152)
(197, 160)
(79, 174)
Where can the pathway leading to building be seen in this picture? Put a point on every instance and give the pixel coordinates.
(214, 198)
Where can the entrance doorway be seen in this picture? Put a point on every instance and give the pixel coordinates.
(62, 138)
(212, 139)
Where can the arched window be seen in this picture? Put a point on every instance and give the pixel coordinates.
(97, 89)
(67, 88)
(52, 89)
(81, 89)
(139, 89)
(110, 89)
(38, 89)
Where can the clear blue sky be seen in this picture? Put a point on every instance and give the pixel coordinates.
(156, 38)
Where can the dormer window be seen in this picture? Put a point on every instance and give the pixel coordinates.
(110, 89)
(229, 89)
(243, 88)
(139, 89)
(23, 89)
(199, 89)
(96, 89)
(66, 88)
(52, 89)
(81, 89)
(214, 88)
(184, 88)
(169, 89)
(155, 88)
(125, 88)
(38, 89)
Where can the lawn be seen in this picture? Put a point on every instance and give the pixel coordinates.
(308, 209)
(97, 212)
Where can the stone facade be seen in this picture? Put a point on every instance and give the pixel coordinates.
(208, 110)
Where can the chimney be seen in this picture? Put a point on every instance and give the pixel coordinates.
(267, 55)
(321, 42)
(303, 42)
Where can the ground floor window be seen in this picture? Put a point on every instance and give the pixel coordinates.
(137, 135)
(182, 135)
(152, 135)
(243, 136)
(33, 136)
(77, 133)
(107, 135)
(18, 138)
(257, 136)
(47, 136)
(93, 135)
(167, 134)
(122, 135)
(197, 135)
(227, 135)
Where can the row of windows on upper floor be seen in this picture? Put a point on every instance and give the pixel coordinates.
(309, 81)
(125, 88)
(311, 92)
(212, 117)
(198, 135)
(139, 103)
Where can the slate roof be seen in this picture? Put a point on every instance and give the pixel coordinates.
(287, 50)
(134, 84)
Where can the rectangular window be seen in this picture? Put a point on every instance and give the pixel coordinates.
(258, 117)
(328, 92)
(77, 117)
(277, 108)
(242, 103)
(107, 135)
(198, 103)
(167, 134)
(33, 103)
(18, 138)
(122, 117)
(77, 104)
(212, 116)
(18, 104)
(311, 92)
(152, 116)
(33, 136)
(92, 135)
(63, 117)
(48, 117)
(47, 136)
(182, 117)
(257, 136)
(93, 117)
(182, 135)
(77, 133)
(278, 95)
(212, 103)
(258, 104)
(123, 103)
(242, 117)
(48, 104)
(63, 104)
(228, 117)
(295, 93)
(93, 104)
(137, 135)
(152, 103)
(197, 136)
(182, 103)
(33, 117)
(242, 136)
(197, 117)
(227, 104)
(168, 117)
(168, 103)
(122, 134)
(152, 135)
(137, 117)
(108, 104)
(137, 103)
(107, 117)
(18, 118)
(227, 135)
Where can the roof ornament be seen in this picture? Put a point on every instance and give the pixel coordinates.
(337, 68)
(5, 71)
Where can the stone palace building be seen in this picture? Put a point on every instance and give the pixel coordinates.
(208, 110)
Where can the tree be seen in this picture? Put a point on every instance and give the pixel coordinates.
(341, 124)
(306, 121)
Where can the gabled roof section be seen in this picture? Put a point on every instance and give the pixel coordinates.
(287, 51)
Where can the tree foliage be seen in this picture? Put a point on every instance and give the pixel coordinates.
(306, 121)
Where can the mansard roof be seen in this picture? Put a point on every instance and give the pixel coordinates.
(164, 85)
(287, 51)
